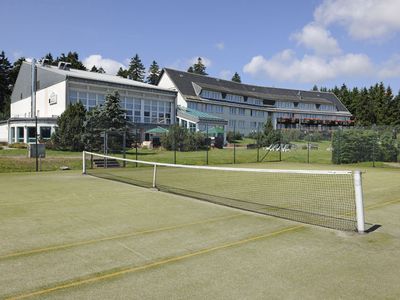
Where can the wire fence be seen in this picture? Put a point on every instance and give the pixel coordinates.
(372, 146)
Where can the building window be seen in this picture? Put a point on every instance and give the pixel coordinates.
(209, 108)
(234, 98)
(211, 95)
(232, 110)
(232, 123)
(192, 105)
(219, 109)
(31, 134)
(20, 134)
(241, 124)
(241, 111)
(45, 132)
(192, 127)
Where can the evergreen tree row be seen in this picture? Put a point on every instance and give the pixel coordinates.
(376, 105)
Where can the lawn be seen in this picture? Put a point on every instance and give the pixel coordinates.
(69, 236)
(13, 160)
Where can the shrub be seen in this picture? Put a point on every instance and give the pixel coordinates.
(232, 136)
(1, 147)
(181, 139)
(18, 146)
(354, 146)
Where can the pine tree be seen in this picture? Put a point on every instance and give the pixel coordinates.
(236, 78)
(73, 59)
(94, 69)
(97, 70)
(15, 70)
(108, 118)
(5, 84)
(315, 88)
(123, 73)
(136, 69)
(112, 115)
(154, 73)
(365, 114)
(69, 128)
(49, 58)
(198, 68)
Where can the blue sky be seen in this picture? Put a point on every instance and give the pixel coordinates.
(286, 43)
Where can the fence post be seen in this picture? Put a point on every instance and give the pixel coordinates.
(374, 141)
(339, 152)
(207, 144)
(154, 176)
(280, 144)
(136, 145)
(308, 146)
(174, 137)
(258, 143)
(234, 142)
(124, 148)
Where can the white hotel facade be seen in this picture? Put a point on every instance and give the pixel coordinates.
(246, 108)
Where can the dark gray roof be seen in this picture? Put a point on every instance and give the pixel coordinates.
(22, 88)
(186, 83)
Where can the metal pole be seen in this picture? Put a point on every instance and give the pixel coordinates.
(174, 137)
(234, 142)
(34, 112)
(308, 148)
(374, 139)
(207, 145)
(36, 144)
(280, 144)
(123, 148)
(258, 143)
(136, 144)
(359, 202)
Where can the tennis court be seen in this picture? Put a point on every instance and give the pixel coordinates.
(68, 236)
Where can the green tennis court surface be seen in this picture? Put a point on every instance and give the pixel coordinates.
(68, 236)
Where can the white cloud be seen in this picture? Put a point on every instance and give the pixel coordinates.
(285, 66)
(220, 46)
(226, 74)
(391, 68)
(363, 19)
(206, 61)
(317, 38)
(109, 65)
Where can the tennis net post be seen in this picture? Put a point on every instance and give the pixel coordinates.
(83, 162)
(359, 201)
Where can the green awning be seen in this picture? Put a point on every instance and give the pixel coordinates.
(215, 130)
(157, 130)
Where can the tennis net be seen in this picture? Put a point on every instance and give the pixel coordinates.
(325, 198)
